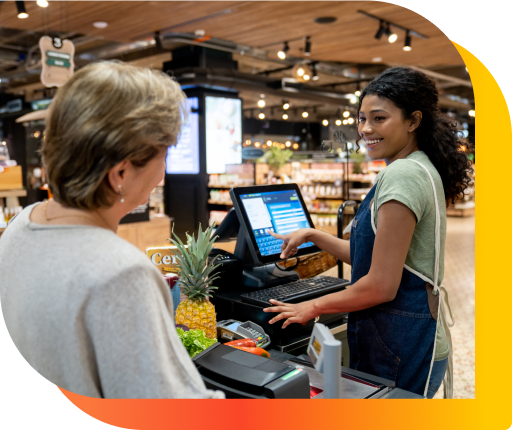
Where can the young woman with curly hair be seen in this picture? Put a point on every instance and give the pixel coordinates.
(397, 325)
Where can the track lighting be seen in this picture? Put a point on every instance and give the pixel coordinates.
(261, 103)
(345, 121)
(315, 76)
(407, 45)
(295, 146)
(350, 120)
(391, 36)
(42, 3)
(325, 122)
(358, 93)
(305, 114)
(285, 117)
(307, 47)
(346, 114)
(261, 115)
(22, 13)
(282, 54)
(301, 72)
(286, 105)
(338, 122)
(288, 144)
(380, 31)
(385, 28)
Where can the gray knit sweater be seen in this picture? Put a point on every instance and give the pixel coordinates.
(91, 314)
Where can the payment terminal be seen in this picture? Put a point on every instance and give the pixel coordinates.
(229, 330)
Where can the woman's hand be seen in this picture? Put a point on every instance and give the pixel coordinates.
(292, 241)
(294, 313)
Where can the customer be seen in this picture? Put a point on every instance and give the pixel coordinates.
(85, 308)
(397, 326)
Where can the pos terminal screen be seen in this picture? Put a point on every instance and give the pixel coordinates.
(278, 211)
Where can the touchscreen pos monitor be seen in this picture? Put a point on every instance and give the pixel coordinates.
(276, 208)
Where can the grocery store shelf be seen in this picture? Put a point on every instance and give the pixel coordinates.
(217, 202)
(13, 193)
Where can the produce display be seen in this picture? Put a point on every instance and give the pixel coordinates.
(197, 312)
(194, 341)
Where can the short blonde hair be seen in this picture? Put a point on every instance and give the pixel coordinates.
(106, 113)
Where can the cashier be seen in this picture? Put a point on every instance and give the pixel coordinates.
(85, 308)
(397, 327)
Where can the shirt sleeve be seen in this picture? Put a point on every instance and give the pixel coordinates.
(407, 183)
(136, 349)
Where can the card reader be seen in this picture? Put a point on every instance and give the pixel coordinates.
(229, 330)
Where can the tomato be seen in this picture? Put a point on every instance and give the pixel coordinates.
(242, 342)
(258, 351)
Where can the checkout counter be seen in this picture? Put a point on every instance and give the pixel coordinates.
(290, 372)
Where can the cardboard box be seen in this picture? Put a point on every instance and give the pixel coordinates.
(11, 178)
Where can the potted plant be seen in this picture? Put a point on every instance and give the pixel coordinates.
(276, 158)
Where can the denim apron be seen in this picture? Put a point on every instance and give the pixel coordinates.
(394, 340)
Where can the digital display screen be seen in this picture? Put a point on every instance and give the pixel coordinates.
(223, 133)
(233, 327)
(280, 212)
(183, 158)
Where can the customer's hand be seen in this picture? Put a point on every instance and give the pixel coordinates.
(292, 241)
(294, 313)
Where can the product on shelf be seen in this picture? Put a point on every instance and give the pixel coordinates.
(220, 196)
(217, 217)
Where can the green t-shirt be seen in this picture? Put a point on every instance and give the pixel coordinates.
(406, 182)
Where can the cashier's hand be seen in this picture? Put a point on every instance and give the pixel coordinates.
(293, 313)
(291, 241)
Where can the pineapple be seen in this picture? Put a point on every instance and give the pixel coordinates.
(197, 312)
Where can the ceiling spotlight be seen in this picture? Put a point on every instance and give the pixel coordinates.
(286, 105)
(407, 45)
(285, 116)
(471, 113)
(307, 46)
(345, 121)
(269, 143)
(305, 114)
(325, 122)
(261, 116)
(350, 120)
(100, 24)
(22, 13)
(346, 114)
(357, 93)
(313, 70)
(283, 146)
(282, 54)
(381, 30)
(257, 144)
(301, 72)
(391, 36)
(42, 3)
(338, 122)
(295, 146)
(288, 144)
(261, 103)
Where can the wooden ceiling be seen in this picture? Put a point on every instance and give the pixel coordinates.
(349, 39)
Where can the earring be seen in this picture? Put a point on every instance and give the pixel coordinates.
(120, 193)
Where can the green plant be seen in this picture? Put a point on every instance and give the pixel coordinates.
(276, 157)
(358, 158)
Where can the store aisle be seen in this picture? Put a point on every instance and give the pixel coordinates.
(459, 280)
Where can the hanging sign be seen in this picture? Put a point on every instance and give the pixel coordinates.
(57, 60)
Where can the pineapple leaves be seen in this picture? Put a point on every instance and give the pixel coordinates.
(193, 263)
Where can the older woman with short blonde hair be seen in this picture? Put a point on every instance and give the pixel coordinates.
(85, 308)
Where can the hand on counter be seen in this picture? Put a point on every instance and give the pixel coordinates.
(294, 313)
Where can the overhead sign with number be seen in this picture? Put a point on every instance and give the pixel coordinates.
(57, 60)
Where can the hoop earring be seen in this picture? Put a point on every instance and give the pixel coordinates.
(120, 193)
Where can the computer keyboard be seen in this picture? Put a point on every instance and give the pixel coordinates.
(302, 290)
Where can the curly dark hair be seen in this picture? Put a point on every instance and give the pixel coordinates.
(437, 134)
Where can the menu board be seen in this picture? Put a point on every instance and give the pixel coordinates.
(223, 133)
(183, 158)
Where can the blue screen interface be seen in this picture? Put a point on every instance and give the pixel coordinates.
(280, 212)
